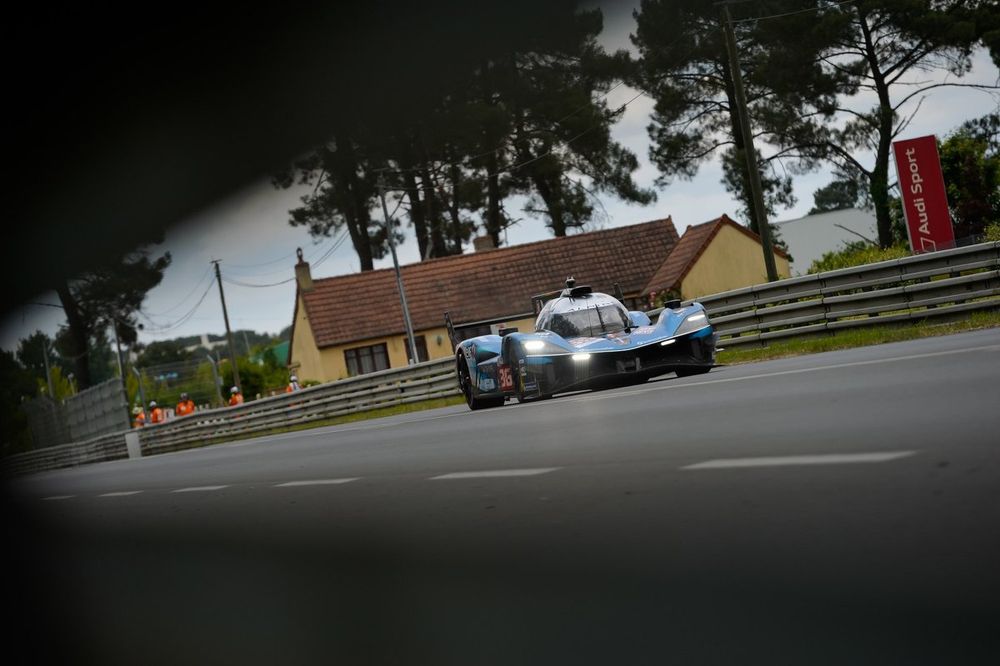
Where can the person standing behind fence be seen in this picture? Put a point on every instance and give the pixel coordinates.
(235, 397)
(155, 413)
(293, 384)
(185, 406)
(138, 417)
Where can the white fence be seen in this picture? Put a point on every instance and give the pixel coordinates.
(946, 284)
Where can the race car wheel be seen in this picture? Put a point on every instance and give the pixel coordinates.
(687, 371)
(465, 381)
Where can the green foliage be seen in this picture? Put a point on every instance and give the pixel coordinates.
(857, 253)
(992, 232)
(882, 46)
(107, 296)
(844, 191)
(970, 163)
(685, 65)
(534, 122)
(255, 379)
(16, 385)
(31, 353)
(163, 351)
(62, 386)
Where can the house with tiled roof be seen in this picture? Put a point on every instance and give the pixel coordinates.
(713, 257)
(353, 324)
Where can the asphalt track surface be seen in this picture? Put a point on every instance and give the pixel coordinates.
(840, 508)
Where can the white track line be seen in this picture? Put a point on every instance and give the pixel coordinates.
(55, 498)
(316, 482)
(121, 493)
(495, 473)
(199, 489)
(820, 459)
(767, 375)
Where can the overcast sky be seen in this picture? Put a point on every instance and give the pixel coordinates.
(249, 231)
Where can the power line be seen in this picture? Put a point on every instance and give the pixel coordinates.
(160, 328)
(793, 13)
(248, 284)
(184, 300)
(314, 254)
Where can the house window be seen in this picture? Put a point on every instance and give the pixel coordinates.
(362, 360)
(467, 332)
(421, 348)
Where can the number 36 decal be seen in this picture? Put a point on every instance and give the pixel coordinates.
(506, 378)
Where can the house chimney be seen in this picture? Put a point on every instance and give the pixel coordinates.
(481, 243)
(303, 276)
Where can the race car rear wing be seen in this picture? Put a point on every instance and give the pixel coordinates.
(538, 300)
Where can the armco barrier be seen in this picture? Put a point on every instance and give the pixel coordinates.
(388, 388)
(945, 284)
(949, 283)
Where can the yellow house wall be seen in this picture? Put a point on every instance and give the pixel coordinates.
(304, 351)
(396, 347)
(328, 364)
(731, 260)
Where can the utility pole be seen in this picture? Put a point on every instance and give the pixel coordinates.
(229, 333)
(751, 155)
(142, 393)
(217, 380)
(121, 368)
(399, 278)
(48, 371)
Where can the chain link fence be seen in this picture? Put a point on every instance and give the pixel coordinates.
(96, 411)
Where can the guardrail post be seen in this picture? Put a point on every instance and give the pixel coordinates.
(132, 444)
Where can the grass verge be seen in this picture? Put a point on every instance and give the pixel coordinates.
(859, 337)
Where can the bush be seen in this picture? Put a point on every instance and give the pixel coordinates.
(857, 253)
(992, 232)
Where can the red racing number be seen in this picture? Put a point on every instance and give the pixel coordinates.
(506, 378)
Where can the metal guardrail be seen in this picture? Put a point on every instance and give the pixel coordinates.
(945, 284)
(387, 388)
(949, 283)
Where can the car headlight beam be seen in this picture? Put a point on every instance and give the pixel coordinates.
(693, 322)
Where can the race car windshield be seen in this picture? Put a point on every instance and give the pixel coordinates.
(592, 322)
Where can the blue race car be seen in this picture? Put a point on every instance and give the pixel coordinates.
(582, 340)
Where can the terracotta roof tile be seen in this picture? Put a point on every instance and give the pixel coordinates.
(484, 285)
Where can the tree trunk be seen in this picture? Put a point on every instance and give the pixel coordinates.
(413, 194)
(551, 194)
(434, 221)
(493, 219)
(79, 335)
(416, 210)
(746, 192)
(879, 179)
(356, 209)
(457, 233)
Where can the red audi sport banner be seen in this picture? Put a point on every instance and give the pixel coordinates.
(925, 203)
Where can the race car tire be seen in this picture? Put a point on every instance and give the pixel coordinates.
(471, 400)
(688, 371)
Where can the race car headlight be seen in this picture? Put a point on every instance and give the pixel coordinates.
(693, 323)
(541, 347)
(581, 357)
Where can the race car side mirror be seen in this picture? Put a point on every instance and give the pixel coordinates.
(637, 319)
